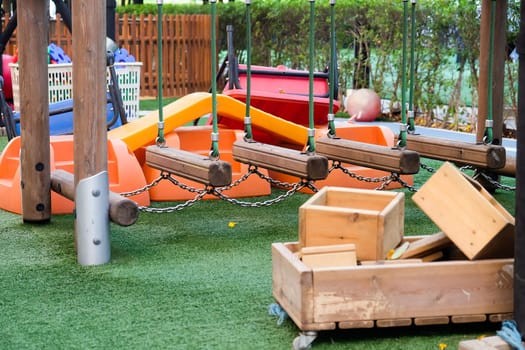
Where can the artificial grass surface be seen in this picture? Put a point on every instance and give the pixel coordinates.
(183, 280)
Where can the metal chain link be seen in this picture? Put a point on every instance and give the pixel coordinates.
(427, 168)
(497, 184)
(489, 179)
(172, 209)
(385, 180)
(154, 183)
(295, 188)
(292, 189)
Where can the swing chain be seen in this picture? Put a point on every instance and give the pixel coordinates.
(385, 180)
(427, 168)
(178, 207)
(295, 188)
(162, 176)
(488, 178)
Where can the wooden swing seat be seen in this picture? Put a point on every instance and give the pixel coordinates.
(369, 155)
(215, 173)
(478, 155)
(281, 159)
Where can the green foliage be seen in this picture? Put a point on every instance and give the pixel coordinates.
(445, 31)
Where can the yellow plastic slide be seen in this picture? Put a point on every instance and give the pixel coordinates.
(143, 131)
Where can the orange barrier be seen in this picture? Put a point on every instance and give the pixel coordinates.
(124, 173)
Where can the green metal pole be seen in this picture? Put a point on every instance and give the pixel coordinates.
(214, 153)
(311, 130)
(160, 138)
(248, 120)
(411, 112)
(332, 68)
(490, 122)
(403, 125)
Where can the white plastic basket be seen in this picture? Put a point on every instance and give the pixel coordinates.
(60, 82)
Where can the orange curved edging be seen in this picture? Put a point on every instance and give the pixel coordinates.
(124, 173)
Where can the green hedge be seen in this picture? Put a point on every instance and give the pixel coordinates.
(447, 41)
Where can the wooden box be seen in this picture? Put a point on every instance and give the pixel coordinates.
(372, 220)
(477, 224)
(387, 295)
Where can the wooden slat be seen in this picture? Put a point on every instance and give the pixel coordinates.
(284, 160)
(369, 155)
(496, 318)
(468, 318)
(395, 322)
(427, 245)
(460, 289)
(216, 173)
(356, 324)
(329, 256)
(478, 155)
(426, 321)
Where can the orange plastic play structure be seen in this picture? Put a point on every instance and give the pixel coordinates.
(124, 173)
(126, 148)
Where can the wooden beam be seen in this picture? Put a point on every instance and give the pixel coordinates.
(89, 88)
(369, 155)
(33, 28)
(216, 173)
(281, 159)
(478, 155)
(498, 73)
(122, 211)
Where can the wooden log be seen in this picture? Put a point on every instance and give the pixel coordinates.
(122, 211)
(509, 169)
(281, 159)
(394, 160)
(32, 31)
(478, 155)
(216, 173)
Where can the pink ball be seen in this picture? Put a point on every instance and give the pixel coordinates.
(363, 105)
(6, 73)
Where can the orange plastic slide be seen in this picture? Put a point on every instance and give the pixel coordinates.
(143, 131)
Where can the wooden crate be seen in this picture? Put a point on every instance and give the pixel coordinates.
(477, 224)
(372, 220)
(387, 295)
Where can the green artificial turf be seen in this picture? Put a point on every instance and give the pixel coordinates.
(199, 278)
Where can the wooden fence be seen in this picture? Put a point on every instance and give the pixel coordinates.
(186, 50)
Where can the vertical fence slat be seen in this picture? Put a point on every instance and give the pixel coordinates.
(186, 54)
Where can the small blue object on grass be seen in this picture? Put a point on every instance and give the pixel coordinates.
(276, 310)
(509, 332)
